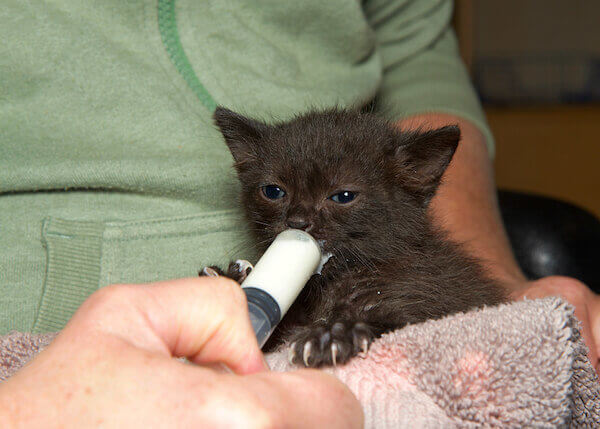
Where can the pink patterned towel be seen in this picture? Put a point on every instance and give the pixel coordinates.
(517, 365)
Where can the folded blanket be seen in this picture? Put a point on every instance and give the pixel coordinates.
(517, 365)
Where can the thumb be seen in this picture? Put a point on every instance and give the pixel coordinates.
(203, 319)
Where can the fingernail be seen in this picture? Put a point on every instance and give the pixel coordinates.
(221, 367)
(267, 366)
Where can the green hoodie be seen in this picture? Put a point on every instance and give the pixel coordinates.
(110, 168)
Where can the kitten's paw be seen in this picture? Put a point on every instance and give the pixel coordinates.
(238, 270)
(213, 271)
(330, 344)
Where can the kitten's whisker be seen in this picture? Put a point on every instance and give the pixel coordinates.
(243, 245)
(247, 244)
(342, 258)
(364, 259)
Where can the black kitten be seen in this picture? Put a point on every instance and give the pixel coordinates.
(362, 187)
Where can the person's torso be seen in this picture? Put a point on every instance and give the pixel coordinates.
(110, 167)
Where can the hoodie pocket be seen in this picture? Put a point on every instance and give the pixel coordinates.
(83, 256)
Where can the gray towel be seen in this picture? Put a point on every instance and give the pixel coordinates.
(517, 365)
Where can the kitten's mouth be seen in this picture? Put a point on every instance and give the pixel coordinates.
(323, 245)
(325, 256)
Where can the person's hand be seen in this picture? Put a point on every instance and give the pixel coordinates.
(113, 366)
(586, 303)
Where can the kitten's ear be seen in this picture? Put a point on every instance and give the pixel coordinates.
(424, 157)
(241, 134)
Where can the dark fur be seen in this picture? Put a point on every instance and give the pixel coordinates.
(391, 266)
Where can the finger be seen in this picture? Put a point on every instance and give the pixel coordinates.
(203, 319)
(300, 399)
(582, 314)
(214, 326)
(594, 315)
(585, 302)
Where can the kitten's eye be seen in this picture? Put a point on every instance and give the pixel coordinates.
(273, 192)
(343, 197)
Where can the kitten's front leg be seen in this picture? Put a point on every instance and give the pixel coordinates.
(237, 270)
(329, 342)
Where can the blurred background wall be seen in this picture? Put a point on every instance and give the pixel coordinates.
(536, 66)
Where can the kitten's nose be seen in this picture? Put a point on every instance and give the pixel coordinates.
(299, 223)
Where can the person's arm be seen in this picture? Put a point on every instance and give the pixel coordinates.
(466, 206)
(113, 366)
(425, 83)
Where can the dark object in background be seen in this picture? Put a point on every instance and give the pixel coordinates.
(532, 52)
(551, 237)
(538, 79)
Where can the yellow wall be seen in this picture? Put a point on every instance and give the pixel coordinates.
(553, 151)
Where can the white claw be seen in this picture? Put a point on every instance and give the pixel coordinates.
(306, 352)
(292, 353)
(243, 265)
(364, 347)
(208, 271)
(334, 353)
